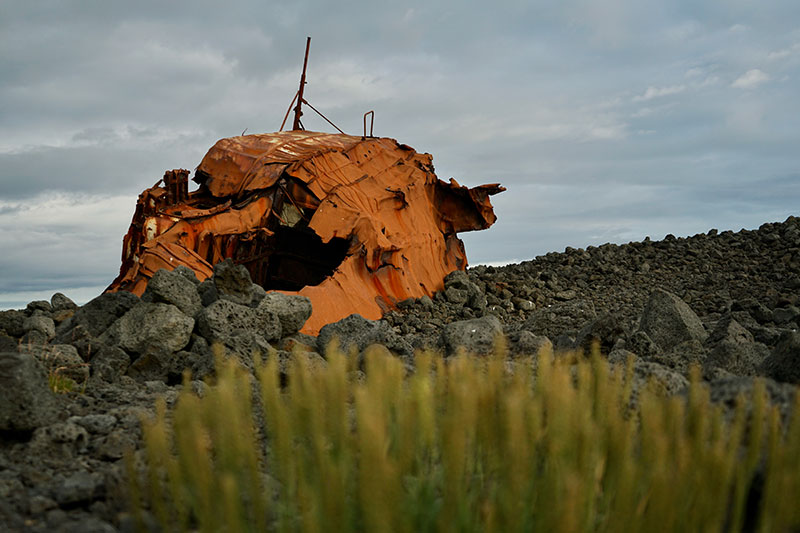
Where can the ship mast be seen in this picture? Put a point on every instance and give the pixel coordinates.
(296, 125)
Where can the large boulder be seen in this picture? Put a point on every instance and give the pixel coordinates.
(109, 363)
(668, 320)
(682, 356)
(474, 336)
(604, 331)
(783, 364)
(97, 315)
(232, 282)
(26, 401)
(60, 302)
(665, 381)
(727, 391)
(11, 322)
(42, 324)
(291, 309)
(150, 326)
(224, 319)
(733, 349)
(61, 360)
(357, 333)
(459, 289)
(525, 343)
(170, 287)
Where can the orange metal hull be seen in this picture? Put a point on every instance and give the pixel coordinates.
(355, 224)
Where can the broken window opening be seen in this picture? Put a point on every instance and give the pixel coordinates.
(292, 258)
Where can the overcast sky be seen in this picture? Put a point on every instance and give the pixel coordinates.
(607, 121)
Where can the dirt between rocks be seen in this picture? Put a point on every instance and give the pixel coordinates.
(727, 302)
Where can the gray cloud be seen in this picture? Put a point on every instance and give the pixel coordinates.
(607, 122)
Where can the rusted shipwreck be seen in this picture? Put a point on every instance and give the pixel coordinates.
(355, 223)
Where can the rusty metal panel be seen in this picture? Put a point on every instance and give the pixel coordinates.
(356, 224)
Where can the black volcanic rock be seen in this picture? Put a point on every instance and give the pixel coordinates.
(724, 301)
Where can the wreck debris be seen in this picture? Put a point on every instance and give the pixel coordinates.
(356, 224)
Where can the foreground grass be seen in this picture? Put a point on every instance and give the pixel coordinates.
(464, 445)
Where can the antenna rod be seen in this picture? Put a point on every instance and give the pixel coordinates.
(297, 112)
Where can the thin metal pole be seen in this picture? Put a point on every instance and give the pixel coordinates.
(287, 112)
(297, 112)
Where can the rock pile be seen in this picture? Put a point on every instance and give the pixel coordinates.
(726, 302)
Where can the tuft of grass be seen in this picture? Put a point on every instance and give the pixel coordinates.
(463, 444)
(59, 383)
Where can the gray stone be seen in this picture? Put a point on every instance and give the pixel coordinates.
(232, 282)
(98, 314)
(356, 333)
(39, 504)
(33, 337)
(784, 315)
(783, 364)
(475, 336)
(26, 401)
(41, 323)
(246, 347)
(668, 320)
(425, 302)
(767, 335)
(11, 322)
(463, 288)
(257, 294)
(97, 424)
(659, 378)
(561, 318)
(564, 342)
(152, 365)
(224, 319)
(682, 356)
(79, 488)
(63, 440)
(620, 356)
(61, 360)
(727, 391)
(150, 326)
(522, 304)
(171, 287)
(604, 331)
(292, 310)
(8, 344)
(60, 302)
(313, 360)
(187, 273)
(526, 343)
(109, 363)
(754, 308)
(83, 341)
(199, 364)
(569, 294)
(728, 328)
(115, 444)
(733, 349)
(38, 305)
(456, 296)
(740, 358)
(208, 292)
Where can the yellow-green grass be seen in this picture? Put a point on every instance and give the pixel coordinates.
(464, 444)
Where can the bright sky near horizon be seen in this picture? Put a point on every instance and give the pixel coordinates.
(607, 121)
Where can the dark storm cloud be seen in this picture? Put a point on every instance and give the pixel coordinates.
(607, 121)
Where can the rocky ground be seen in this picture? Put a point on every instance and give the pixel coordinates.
(727, 302)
